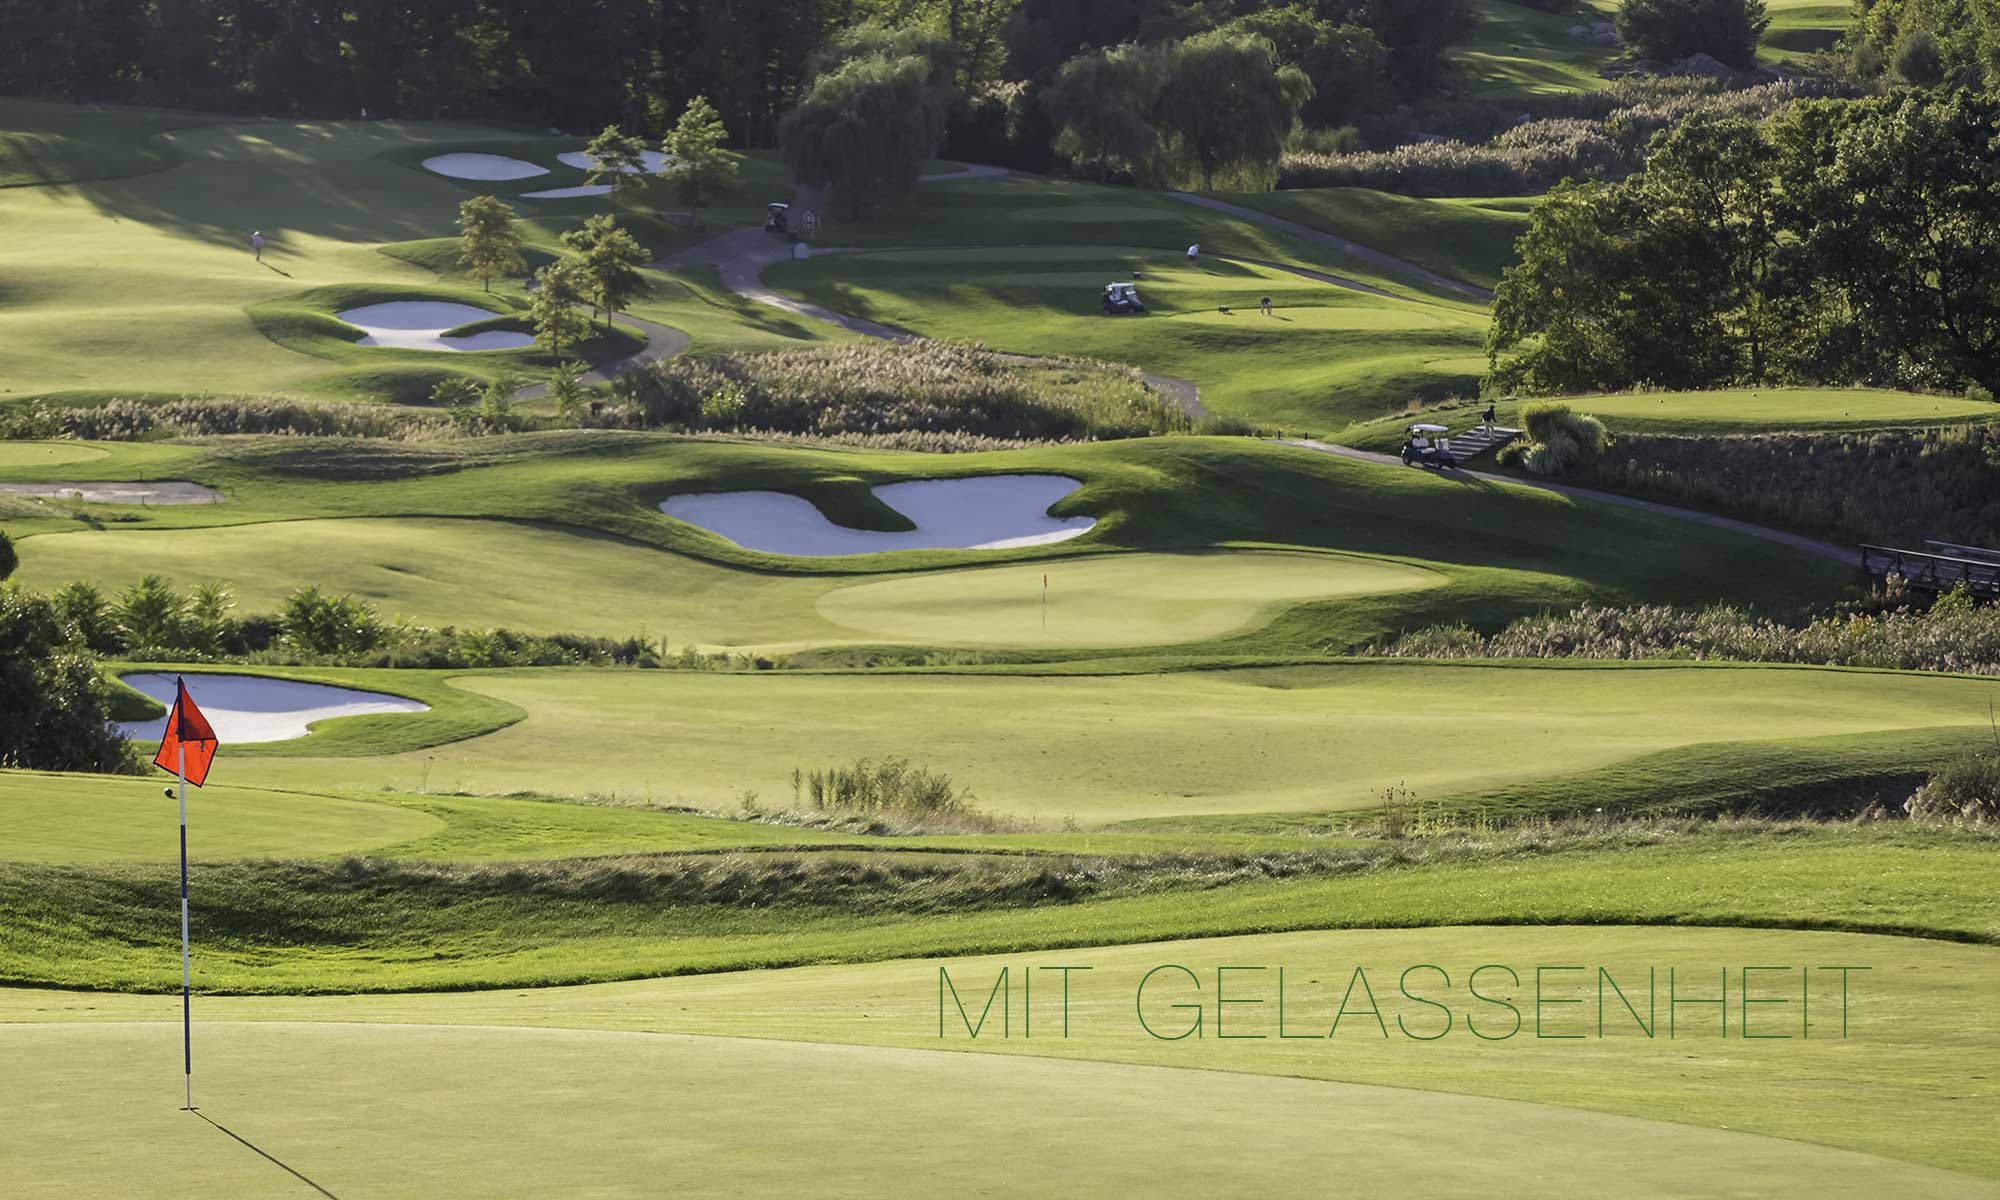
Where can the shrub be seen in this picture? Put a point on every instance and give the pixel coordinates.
(923, 387)
(1667, 31)
(1561, 440)
(316, 623)
(55, 705)
(889, 785)
(88, 617)
(1965, 789)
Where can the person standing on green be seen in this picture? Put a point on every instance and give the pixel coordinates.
(257, 243)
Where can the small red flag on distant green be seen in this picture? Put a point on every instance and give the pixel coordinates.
(186, 727)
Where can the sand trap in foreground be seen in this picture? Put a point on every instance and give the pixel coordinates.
(653, 159)
(588, 189)
(256, 708)
(163, 491)
(990, 512)
(482, 166)
(421, 325)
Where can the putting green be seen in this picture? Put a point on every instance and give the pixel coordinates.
(1108, 600)
(66, 818)
(1106, 747)
(401, 1111)
(44, 454)
(432, 1083)
(1745, 410)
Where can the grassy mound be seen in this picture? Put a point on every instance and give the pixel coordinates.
(44, 142)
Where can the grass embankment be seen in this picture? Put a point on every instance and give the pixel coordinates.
(1504, 552)
(376, 925)
(1519, 53)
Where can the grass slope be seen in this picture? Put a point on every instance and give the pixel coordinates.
(1472, 240)
(1328, 354)
(1059, 742)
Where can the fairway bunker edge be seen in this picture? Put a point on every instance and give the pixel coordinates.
(988, 512)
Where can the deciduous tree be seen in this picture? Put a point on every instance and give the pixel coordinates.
(489, 245)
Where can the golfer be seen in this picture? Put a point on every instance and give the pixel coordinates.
(1264, 306)
(1488, 417)
(1194, 251)
(257, 244)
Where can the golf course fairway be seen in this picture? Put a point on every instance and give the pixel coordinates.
(1104, 747)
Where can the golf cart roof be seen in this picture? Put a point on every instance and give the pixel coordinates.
(776, 204)
(1429, 429)
(1110, 286)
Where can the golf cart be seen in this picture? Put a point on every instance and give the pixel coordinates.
(1122, 298)
(1428, 447)
(779, 220)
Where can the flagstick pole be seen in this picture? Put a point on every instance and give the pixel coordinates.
(187, 1019)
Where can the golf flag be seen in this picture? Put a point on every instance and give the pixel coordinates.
(186, 729)
(187, 747)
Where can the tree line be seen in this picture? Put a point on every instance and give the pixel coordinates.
(1842, 241)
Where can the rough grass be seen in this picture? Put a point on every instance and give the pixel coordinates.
(358, 925)
(1468, 239)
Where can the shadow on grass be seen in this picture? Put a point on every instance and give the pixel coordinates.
(267, 1156)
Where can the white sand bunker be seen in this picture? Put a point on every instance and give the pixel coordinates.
(422, 324)
(653, 160)
(990, 512)
(482, 166)
(165, 491)
(253, 708)
(588, 189)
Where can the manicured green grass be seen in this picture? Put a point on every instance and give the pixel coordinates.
(440, 572)
(1471, 240)
(467, 1110)
(1801, 28)
(90, 818)
(33, 455)
(1506, 551)
(1328, 353)
(1112, 600)
(1056, 742)
(1521, 51)
(43, 142)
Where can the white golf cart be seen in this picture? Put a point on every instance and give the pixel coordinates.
(779, 219)
(1428, 446)
(1121, 298)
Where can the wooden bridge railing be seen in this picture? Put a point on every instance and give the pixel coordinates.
(1933, 572)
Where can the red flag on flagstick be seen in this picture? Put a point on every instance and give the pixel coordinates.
(186, 727)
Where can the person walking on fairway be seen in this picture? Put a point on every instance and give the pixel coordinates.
(257, 243)
(1264, 306)
(1194, 252)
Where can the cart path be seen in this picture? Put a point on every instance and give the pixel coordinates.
(662, 341)
(743, 254)
(1764, 532)
(1388, 262)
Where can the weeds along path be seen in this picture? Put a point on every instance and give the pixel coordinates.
(1387, 262)
(1795, 541)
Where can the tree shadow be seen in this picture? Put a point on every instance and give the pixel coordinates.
(267, 1156)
